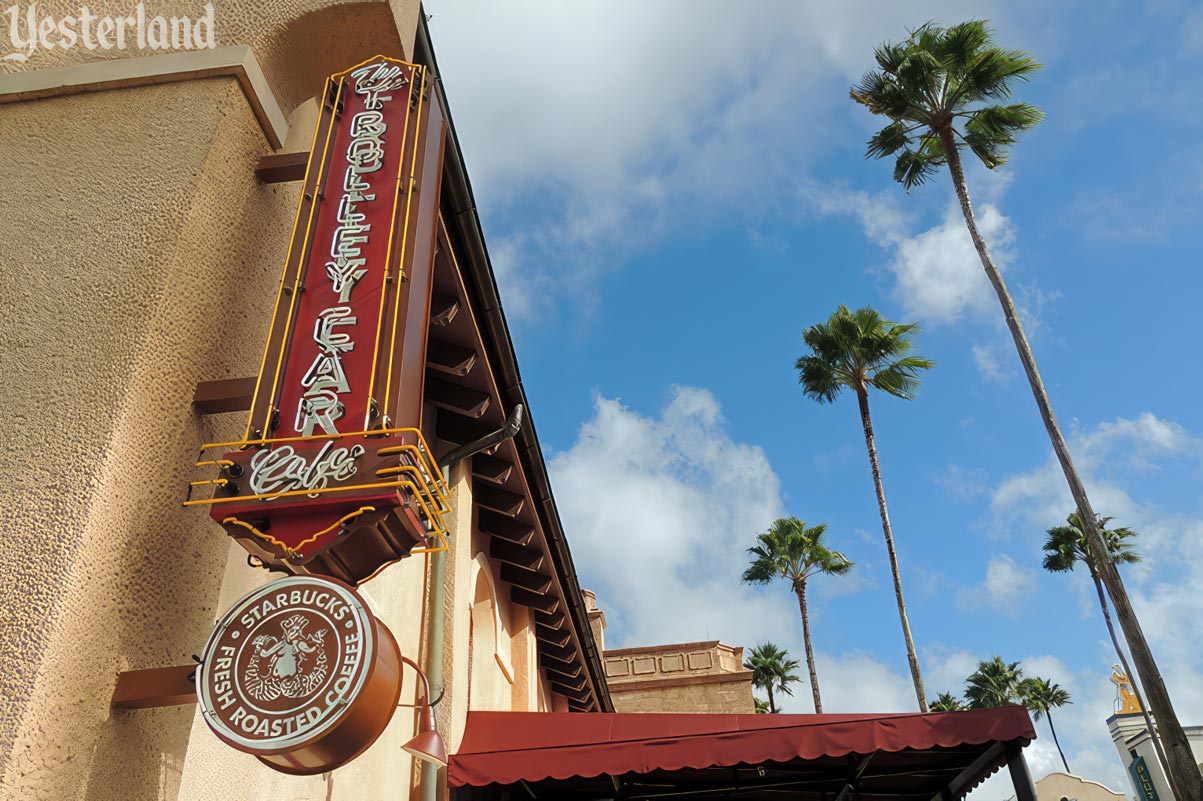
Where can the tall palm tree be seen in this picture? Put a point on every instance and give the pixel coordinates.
(772, 669)
(858, 350)
(1064, 548)
(794, 552)
(946, 702)
(1042, 697)
(995, 683)
(941, 89)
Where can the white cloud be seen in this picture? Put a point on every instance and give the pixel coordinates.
(937, 276)
(1114, 459)
(661, 511)
(1039, 498)
(619, 120)
(1006, 588)
(963, 484)
(857, 682)
(991, 362)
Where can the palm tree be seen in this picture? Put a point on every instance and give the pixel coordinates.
(791, 551)
(1042, 697)
(946, 702)
(858, 350)
(772, 669)
(941, 89)
(1065, 547)
(995, 683)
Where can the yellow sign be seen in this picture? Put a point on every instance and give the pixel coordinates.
(1126, 698)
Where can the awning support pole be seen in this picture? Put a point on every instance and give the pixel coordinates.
(1021, 777)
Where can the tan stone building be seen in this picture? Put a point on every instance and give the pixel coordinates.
(1067, 787)
(685, 677)
(146, 204)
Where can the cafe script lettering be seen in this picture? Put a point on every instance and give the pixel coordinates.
(282, 469)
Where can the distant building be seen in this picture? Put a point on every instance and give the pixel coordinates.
(1131, 736)
(1067, 787)
(683, 677)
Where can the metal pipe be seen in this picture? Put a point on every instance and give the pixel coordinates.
(435, 611)
(512, 424)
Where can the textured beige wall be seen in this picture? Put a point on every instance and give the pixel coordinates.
(141, 258)
(298, 42)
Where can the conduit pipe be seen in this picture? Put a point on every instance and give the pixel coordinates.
(435, 612)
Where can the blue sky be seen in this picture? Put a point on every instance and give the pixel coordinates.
(671, 192)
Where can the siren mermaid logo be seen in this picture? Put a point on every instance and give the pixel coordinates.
(293, 665)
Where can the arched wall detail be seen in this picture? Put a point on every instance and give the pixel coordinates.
(501, 635)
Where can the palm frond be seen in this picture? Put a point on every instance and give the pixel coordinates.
(991, 73)
(889, 140)
(990, 131)
(946, 702)
(913, 169)
(931, 86)
(820, 382)
(961, 42)
(1066, 545)
(858, 349)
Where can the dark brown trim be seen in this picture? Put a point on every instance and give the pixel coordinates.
(146, 689)
(480, 281)
(282, 167)
(965, 779)
(225, 395)
(531, 580)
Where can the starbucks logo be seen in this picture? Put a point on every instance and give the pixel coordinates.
(288, 666)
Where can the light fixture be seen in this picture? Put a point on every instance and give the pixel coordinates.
(428, 744)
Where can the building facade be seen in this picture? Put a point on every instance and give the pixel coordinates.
(701, 677)
(1067, 787)
(149, 205)
(164, 207)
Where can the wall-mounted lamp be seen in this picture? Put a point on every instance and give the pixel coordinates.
(428, 744)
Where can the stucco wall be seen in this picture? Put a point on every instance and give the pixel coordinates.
(140, 258)
(1056, 786)
(722, 693)
(298, 42)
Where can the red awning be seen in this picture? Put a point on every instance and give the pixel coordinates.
(507, 747)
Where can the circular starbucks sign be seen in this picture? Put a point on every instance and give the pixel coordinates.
(300, 674)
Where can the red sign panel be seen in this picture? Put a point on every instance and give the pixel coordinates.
(333, 446)
(326, 380)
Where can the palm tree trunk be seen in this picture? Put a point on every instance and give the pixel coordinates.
(1049, 713)
(1184, 776)
(772, 703)
(800, 589)
(862, 397)
(1123, 660)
